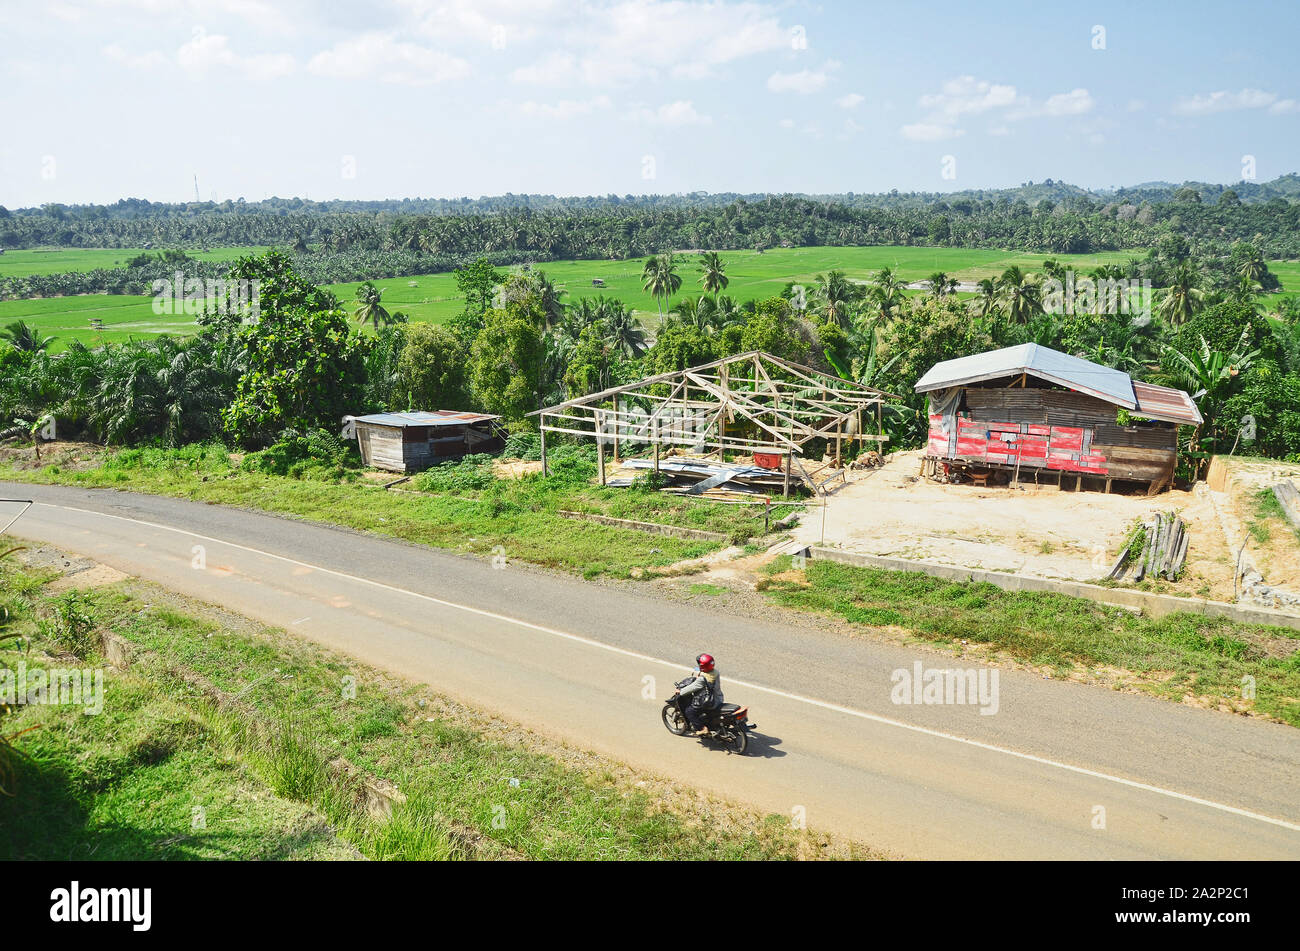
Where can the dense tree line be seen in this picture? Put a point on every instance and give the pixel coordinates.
(518, 346)
(520, 228)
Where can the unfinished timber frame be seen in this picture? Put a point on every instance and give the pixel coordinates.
(749, 403)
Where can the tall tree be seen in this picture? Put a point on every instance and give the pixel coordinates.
(713, 277)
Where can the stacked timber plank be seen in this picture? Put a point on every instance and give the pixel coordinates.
(1157, 549)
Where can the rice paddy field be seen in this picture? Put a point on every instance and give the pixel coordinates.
(16, 263)
(434, 298)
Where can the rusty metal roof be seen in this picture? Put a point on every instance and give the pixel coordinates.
(442, 417)
(1165, 404)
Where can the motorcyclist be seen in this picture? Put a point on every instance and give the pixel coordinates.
(705, 692)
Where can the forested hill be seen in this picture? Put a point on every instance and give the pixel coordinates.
(1051, 217)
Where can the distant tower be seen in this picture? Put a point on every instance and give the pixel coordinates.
(196, 189)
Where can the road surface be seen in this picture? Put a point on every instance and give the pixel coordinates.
(1060, 771)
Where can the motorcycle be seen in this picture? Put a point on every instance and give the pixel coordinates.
(729, 724)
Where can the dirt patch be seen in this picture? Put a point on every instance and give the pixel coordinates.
(1029, 529)
(67, 455)
(515, 468)
(94, 577)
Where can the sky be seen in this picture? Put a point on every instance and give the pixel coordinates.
(107, 99)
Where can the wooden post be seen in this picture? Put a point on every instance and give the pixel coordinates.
(654, 435)
(600, 454)
(617, 417)
(544, 469)
(786, 488)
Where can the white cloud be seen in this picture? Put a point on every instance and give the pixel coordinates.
(851, 101)
(787, 123)
(1076, 102)
(383, 57)
(1284, 107)
(679, 113)
(204, 53)
(805, 81)
(633, 40)
(930, 132)
(565, 108)
(1209, 103)
(967, 96)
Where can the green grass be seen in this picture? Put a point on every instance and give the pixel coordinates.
(1170, 656)
(125, 784)
(19, 263)
(433, 298)
(517, 515)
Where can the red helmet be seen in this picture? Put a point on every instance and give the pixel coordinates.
(705, 662)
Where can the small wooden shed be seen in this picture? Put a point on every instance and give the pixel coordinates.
(1030, 409)
(412, 442)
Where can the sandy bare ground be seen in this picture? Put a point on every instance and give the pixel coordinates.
(1037, 530)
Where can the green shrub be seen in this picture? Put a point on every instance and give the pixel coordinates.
(471, 473)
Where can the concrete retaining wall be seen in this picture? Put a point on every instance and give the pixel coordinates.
(1153, 605)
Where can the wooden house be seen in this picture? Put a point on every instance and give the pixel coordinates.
(412, 442)
(1033, 411)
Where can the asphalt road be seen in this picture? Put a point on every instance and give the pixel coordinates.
(1059, 771)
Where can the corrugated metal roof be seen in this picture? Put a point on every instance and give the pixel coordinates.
(1113, 386)
(442, 417)
(1165, 404)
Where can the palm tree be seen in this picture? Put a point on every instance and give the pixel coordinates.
(886, 293)
(548, 298)
(659, 277)
(987, 302)
(22, 336)
(1252, 266)
(713, 276)
(941, 285)
(624, 331)
(369, 308)
(836, 295)
(1184, 295)
(1020, 295)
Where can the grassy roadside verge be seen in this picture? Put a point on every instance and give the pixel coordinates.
(1174, 657)
(249, 725)
(463, 508)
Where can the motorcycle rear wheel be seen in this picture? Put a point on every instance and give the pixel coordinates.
(674, 722)
(738, 742)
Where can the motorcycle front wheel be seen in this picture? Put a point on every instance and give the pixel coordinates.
(674, 722)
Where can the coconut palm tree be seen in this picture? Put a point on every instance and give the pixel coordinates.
(369, 308)
(941, 285)
(987, 301)
(886, 293)
(835, 295)
(23, 336)
(1020, 294)
(624, 331)
(713, 276)
(659, 277)
(1184, 295)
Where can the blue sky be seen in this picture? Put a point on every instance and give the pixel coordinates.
(106, 99)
